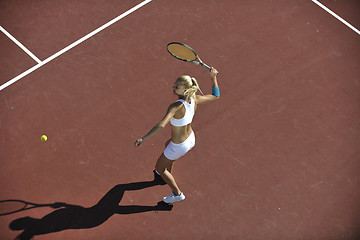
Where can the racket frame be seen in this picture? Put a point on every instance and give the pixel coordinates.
(200, 62)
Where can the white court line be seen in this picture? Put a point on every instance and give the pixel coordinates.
(336, 16)
(20, 45)
(12, 81)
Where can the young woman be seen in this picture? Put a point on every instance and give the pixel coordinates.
(180, 115)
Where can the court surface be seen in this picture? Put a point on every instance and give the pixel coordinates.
(277, 157)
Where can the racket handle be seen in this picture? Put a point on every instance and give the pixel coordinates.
(205, 66)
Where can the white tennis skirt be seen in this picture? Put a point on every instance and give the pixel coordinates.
(174, 151)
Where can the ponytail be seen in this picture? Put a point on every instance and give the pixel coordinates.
(191, 84)
(191, 92)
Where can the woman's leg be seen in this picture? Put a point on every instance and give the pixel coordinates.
(171, 166)
(164, 167)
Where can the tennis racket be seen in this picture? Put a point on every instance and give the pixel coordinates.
(13, 206)
(185, 53)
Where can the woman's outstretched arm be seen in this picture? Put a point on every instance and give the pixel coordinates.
(160, 125)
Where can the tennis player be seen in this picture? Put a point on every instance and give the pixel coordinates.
(180, 115)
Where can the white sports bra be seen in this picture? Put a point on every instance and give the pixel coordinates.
(189, 114)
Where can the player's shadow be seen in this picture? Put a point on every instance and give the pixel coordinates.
(78, 217)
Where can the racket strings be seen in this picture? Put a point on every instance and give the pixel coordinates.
(181, 52)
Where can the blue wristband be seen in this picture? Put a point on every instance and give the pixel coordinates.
(216, 91)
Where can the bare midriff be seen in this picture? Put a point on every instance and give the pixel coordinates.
(180, 134)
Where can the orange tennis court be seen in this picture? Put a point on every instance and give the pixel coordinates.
(276, 157)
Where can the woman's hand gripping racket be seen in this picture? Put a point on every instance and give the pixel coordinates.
(185, 53)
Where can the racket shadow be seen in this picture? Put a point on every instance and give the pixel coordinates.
(78, 217)
(21, 205)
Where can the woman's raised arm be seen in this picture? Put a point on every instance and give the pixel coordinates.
(215, 89)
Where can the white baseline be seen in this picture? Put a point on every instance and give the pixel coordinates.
(41, 63)
(336, 16)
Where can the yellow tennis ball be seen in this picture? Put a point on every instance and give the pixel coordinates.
(43, 138)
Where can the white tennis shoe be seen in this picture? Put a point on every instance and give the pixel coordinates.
(174, 198)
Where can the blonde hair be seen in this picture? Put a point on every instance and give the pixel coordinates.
(190, 84)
